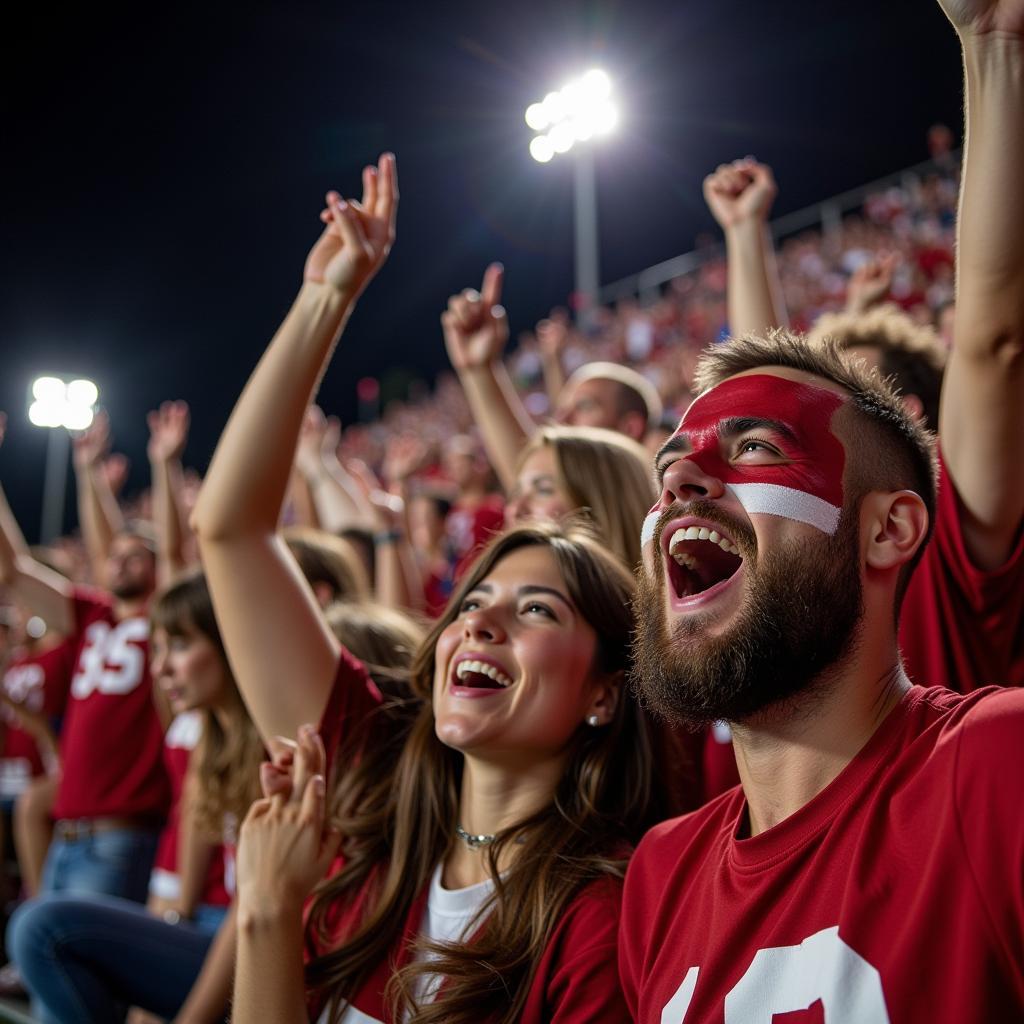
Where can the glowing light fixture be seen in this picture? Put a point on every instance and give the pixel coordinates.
(580, 110)
(58, 403)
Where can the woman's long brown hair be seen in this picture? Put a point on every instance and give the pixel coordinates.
(227, 758)
(397, 806)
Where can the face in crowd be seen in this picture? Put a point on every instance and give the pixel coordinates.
(130, 568)
(188, 667)
(751, 583)
(515, 671)
(538, 494)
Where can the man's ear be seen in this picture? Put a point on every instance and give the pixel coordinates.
(634, 425)
(895, 525)
(605, 697)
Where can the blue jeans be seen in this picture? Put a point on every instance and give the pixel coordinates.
(112, 863)
(89, 959)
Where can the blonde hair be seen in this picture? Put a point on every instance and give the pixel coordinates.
(607, 476)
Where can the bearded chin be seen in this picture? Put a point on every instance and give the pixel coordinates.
(801, 615)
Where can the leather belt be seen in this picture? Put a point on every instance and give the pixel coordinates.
(71, 830)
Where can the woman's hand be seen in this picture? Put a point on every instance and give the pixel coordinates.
(285, 846)
(359, 235)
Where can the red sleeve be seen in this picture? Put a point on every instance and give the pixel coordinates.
(961, 626)
(577, 981)
(989, 795)
(353, 699)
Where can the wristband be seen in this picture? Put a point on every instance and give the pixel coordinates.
(387, 537)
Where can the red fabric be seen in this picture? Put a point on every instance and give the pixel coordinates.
(718, 763)
(576, 980)
(470, 528)
(895, 895)
(40, 682)
(179, 742)
(960, 627)
(112, 740)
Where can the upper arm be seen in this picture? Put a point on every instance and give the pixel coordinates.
(980, 427)
(281, 651)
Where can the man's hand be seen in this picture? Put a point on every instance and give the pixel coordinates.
(308, 454)
(551, 338)
(475, 323)
(404, 456)
(741, 191)
(869, 284)
(981, 17)
(92, 445)
(359, 235)
(168, 432)
(115, 472)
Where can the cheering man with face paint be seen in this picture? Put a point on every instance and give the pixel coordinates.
(869, 868)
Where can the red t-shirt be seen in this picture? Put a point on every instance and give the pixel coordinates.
(895, 895)
(576, 980)
(961, 627)
(180, 740)
(40, 682)
(112, 741)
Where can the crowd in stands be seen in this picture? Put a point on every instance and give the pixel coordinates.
(664, 666)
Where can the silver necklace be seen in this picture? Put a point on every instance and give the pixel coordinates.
(472, 841)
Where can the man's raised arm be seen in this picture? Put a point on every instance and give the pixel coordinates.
(980, 417)
(740, 196)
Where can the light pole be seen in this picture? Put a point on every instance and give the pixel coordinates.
(579, 112)
(60, 406)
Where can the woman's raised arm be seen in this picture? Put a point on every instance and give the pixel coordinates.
(280, 649)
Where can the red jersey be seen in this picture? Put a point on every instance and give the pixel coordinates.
(962, 627)
(180, 740)
(895, 895)
(576, 980)
(112, 741)
(40, 682)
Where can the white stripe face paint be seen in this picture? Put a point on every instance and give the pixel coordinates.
(650, 524)
(774, 500)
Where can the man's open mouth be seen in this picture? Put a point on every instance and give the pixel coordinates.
(699, 558)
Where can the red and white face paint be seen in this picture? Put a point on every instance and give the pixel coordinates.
(806, 485)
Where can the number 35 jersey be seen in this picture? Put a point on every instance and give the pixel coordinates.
(895, 895)
(111, 742)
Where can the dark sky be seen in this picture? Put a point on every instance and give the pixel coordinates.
(164, 168)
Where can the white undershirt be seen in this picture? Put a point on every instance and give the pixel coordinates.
(448, 917)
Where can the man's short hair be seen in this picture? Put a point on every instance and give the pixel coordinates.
(636, 392)
(894, 451)
(329, 560)
(911, 354)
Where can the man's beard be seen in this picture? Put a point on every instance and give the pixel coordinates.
(130, 590)
(800, 615)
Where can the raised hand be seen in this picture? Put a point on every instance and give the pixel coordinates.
(387, 510)
(741, 191)
(982, 17)
(405, 454)
(168, 431)
(869, 284)
(551, 337)
(92, 445)
(475, 323)
(359, 235)
(285, 845)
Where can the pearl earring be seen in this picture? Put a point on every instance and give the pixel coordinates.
(593, 720)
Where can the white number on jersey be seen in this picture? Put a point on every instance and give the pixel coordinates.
(786, 979)
(111, 661)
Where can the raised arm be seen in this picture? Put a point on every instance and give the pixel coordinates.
(46, 592)
(551, 338)
(983, 390)
(475, 332)
(282, 653)
(740, 196)
(99, 514)
(168, 434)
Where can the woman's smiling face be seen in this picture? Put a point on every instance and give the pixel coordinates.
(514, 671)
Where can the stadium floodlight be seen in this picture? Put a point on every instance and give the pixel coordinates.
(61, 406)
(580, 110)
(58, 403)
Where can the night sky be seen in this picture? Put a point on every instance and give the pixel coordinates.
(164, 169)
